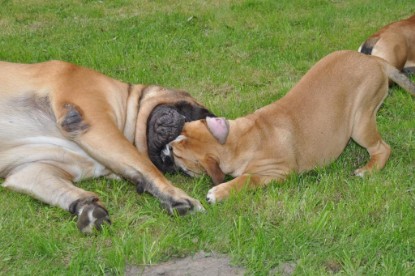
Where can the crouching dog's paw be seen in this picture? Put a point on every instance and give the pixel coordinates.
(210, 197)
(362, 172)
(180, 203)
(218, 193)
(91, 214)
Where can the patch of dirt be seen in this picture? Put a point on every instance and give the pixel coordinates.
(202, 263)
(284, 269)
(333, 266)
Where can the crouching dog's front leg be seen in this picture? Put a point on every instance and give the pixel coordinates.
(222, 191)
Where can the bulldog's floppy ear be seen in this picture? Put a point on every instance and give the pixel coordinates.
(213, 170)
(218, 127)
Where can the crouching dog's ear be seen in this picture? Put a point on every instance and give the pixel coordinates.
(213, 170)
(218, 127)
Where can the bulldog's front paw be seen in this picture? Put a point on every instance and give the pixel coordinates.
(91, 214)
(217, 193)
(180, 203)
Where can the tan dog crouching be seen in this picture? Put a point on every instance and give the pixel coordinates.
(61, 123)
(395, 43)
(336, 100)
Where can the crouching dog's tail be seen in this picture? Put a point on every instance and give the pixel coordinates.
(400, 78)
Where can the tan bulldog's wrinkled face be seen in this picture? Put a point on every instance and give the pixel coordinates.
(194, 151)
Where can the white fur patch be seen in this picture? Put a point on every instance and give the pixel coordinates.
(90, 227)
(179, 138)
(166, 151)
(211, 198)
(359, 173)
(91, 217)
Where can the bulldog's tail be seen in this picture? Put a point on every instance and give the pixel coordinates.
(400, 78)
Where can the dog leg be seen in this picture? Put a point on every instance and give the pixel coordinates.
(52, 185)
(105, 142)
(222, 191)
(367, 135)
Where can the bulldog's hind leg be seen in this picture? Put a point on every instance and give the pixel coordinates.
(365, 133)
(53, 186)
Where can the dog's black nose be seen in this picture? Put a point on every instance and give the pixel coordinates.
(167, 160)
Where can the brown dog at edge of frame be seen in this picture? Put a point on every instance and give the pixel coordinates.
(395, 43)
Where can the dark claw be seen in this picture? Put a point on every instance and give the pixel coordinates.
(102, 217)
(140, 187)
(178, 207)
(182, 207)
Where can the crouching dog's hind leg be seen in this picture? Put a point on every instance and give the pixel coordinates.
(53, 186)
(366, 134)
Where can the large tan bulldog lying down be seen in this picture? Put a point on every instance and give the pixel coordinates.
(61, 123)
(395, 43)
(336, 100)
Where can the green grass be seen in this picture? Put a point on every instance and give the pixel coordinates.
(234, 56)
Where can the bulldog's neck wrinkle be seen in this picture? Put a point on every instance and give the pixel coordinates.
(133, 98)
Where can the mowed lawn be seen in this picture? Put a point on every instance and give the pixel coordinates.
(235, 57)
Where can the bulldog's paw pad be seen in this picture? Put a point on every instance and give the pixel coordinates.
(91, 215)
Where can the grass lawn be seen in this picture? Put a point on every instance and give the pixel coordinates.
(234, 56)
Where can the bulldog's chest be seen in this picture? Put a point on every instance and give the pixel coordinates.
(56, 151)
